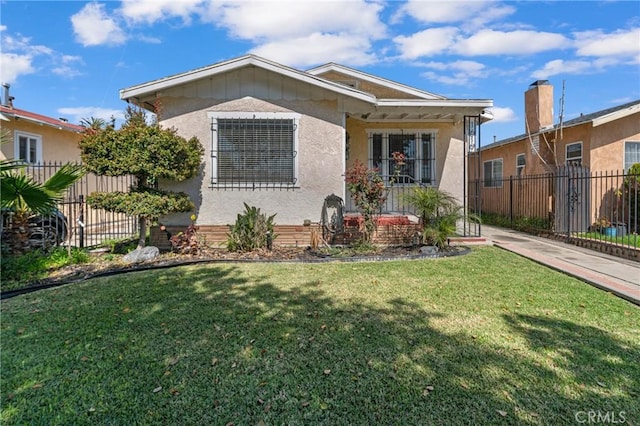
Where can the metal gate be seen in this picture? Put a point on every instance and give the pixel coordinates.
(572, 199)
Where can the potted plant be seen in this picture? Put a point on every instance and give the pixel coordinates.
(603, 225)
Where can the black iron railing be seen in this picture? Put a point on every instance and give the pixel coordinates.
(75, 223)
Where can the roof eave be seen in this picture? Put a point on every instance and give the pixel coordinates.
(616, 115)
(18, 116)
(373, 79)
(449, 103)
(149, 88)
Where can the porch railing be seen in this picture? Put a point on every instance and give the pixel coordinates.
(395, 203)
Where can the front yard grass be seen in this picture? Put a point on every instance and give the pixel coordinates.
(486, 338)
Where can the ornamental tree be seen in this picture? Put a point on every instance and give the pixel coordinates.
(148, 152)
(369, 191)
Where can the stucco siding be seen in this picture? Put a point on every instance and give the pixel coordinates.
(602, 147)
(449, 150)
(608, 141)
(57, 145)
(319, 162)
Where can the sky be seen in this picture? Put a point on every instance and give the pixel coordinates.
(71, 58)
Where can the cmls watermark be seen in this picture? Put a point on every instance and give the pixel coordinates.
(603, 417)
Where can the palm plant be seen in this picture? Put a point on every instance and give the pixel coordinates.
(23, 196)
(439, 212)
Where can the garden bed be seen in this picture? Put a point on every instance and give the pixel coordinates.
(108, 264)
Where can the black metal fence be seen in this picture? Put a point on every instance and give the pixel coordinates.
(571, 202)
(83, 226)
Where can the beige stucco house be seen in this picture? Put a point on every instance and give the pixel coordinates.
(603, 141)
(566, 177)
(35, 138)
(281, 139)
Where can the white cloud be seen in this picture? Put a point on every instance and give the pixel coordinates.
(15, 65)
(21, 57)
(79, 113)
(502, 115)
(92, 26)
(490, 42)
(265, 21)
(560, 66)
(317, 49)
(23, 44)
(622, 43)
(472, 13)
(449, 40)
(429, 42)
(151, 11)
(461, 73)
(148, 39)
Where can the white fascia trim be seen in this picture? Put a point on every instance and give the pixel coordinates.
(448, 103)
(374, 79)
(616, 115)
(44, 123)
(223, 67)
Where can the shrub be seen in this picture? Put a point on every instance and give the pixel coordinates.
(252, 230)
(186, 242)
(21, 269)
(369, 191)
(439, 211)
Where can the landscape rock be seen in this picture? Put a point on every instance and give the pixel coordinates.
(141, 255)
(428, 249)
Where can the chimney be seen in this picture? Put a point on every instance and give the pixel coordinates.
(7, 100)
(538, 106)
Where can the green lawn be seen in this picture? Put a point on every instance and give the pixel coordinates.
(632, 240)
(486, 338)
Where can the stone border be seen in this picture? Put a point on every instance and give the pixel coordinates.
(460, 250)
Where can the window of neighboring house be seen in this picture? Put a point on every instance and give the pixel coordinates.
(574, 154)
(418, 147)
(28, 147)
(254, 150)
(520, 163)
(631, 154)
(493, 173)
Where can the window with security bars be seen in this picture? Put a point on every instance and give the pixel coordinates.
(254, 152)
(419, 151)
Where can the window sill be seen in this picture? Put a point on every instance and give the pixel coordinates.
(254, 186)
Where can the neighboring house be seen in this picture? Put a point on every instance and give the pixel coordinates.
(45, 144)
(603, 141)
(281, 139)
(565, 178)
(35, 138)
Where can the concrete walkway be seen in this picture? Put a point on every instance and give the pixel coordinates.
(609, 273)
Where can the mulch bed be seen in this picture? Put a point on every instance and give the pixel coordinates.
(104, 265)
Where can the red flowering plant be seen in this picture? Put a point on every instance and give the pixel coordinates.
(369, 191)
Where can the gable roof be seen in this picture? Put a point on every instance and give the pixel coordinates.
(20, 114)
(422, 104)
(359, 75)
(234, 64)
(597, 118)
